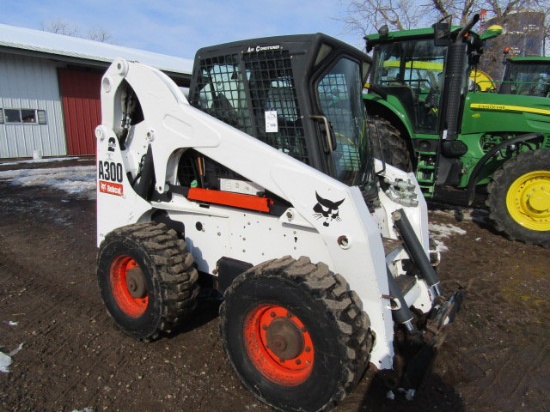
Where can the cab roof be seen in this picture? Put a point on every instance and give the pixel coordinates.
(530, 59)
(425, 32)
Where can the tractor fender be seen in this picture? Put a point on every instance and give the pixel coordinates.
(389, 108)
(470, 191)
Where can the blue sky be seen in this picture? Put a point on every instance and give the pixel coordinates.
(180, 27)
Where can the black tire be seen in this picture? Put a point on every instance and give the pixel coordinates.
(147, 279)
(388, 144)
(519, 198)
(318, 336)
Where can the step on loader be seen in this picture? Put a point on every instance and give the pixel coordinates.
(264, 182)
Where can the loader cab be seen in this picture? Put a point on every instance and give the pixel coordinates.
(300, 94)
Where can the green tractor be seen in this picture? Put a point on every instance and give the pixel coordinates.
(435, 116)
(527, 76)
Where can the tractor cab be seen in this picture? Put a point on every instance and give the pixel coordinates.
(527, 76)
(413, 68)
(426, 96)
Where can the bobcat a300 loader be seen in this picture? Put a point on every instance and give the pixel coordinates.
(266, 184)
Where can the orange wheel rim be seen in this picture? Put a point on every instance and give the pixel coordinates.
(279, 345)
(128, 286)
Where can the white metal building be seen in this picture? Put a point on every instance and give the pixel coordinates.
(49, 89)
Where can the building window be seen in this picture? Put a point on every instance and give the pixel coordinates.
(13, 115)
(41, 116)
(28, 116)
(24, 116)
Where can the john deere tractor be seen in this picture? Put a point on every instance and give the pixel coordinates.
(456, 133)
(528, 76)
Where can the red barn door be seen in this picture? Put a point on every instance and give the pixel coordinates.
(81, 109)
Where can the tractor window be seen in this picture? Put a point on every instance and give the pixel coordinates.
(527, 79)
(339, 92)
(416, 64)
(412, 71)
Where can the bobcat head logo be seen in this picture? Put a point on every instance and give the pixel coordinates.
(111, 145)
(327, 210)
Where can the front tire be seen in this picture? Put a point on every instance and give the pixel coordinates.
(295, 334)
(146, 279)
(519, 198)
(388, 144)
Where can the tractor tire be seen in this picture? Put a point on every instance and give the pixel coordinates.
(295, 334)
(388, 144)
(519, 198)
(147, 279)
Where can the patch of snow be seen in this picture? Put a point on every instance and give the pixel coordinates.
(16, 350)
(439, 232)
(5, 362)
(56, 44)
(76, 180)
(445, 230)
(6, 359)
(34, 161)
(465, 214)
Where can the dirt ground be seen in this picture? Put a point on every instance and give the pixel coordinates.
(496, 357)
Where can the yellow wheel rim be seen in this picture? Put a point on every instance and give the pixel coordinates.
(528, 200)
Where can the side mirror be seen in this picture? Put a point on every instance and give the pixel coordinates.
(442, 33)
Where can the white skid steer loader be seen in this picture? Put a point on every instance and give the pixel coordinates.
(264, 181)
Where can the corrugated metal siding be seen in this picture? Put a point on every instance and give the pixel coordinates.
(27, 83)
(82, 109)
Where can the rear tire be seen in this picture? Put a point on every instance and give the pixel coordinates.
(519, 198)
(388, 144)
(294, 334)
(146, 279)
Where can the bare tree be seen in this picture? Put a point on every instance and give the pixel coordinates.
(62, 27)
(366, 16)
(99, 34)
(525, 33)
